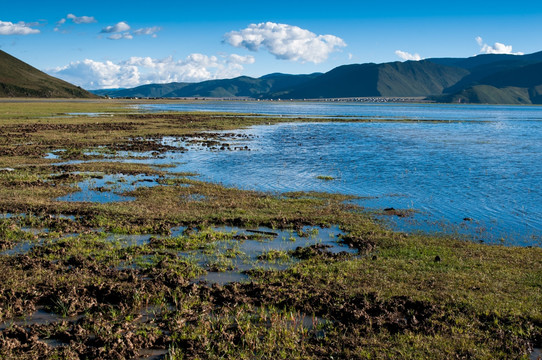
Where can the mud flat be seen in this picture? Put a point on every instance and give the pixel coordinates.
(104, 254)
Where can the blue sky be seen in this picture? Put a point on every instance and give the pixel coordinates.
(108, 44)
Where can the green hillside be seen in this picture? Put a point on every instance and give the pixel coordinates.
(342, 81)
(511, 85)
(416, 78)
(411, 78)
(18, 79)
(477, 74)
(240, 87)
(486, 94)
(525, 76)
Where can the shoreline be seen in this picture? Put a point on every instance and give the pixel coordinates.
(409, 295)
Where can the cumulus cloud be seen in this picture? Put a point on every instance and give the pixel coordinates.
(286, 42)
(407, 56)
(118, 27)
(81, 19)
(497, 48)
(20, 28)
(135, 71)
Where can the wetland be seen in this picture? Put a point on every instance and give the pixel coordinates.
(137, 230)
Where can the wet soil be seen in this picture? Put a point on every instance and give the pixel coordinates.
(143, 291)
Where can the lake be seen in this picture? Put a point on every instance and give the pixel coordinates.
(467, 169)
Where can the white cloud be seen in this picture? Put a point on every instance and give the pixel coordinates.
(81, 19)
(408, 56)
(234, 58)
(286, 42)
(120, 36)
(147, 31)
(135, 71)
(75, 20)
(20, 28)
(497, 48)
(120, 31)
(95, 74)
(119, 27)
(59, 23)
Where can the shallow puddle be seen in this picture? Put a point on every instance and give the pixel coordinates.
(130, 239)
(226, 260)
(286, 240)
(262, 248)
(54, 343)
(19, 248)
(109, 188)
(237, 251)
(24, 247)
(152, 354)
(40, 317)
(222, 278)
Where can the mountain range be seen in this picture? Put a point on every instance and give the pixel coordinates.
(18, 79)
(487, 78)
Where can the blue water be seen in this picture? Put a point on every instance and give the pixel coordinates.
(389, 111)
(478, 162)
(108, 188)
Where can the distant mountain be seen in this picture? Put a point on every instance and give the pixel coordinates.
(407, 79)
(488, 78)
(18, 79)
(144, 91)
(487, 94)
(502, 83)
(103, 92)
(242, 86)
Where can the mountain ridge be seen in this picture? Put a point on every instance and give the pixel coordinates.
(487, 78)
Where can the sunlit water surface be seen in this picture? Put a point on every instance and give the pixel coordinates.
(476, 171)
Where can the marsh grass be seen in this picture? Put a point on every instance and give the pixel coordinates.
(402, 296)
(325, 177)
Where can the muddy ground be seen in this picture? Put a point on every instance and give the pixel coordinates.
(72, 285)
